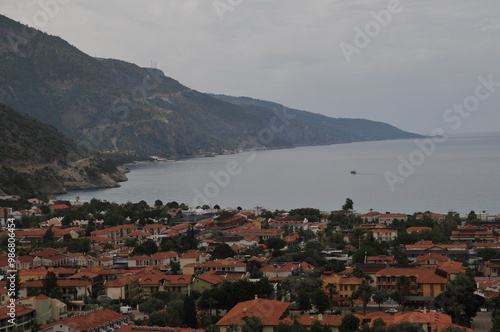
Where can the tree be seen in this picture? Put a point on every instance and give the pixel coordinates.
(151, 305)
(348, 206)
(275, 243)
(350, 323)
(364, 293)
(316, 326)
(460, 290)
(332, 291)
(50, 287)
(253, 324)
(49, 235)
(380, 296)
(403, 285)
(158, 204)
(168, 317)
(320, 300)
(496, 324)
(405, 327)
(189, 312)
(303, 301)
(222, 250)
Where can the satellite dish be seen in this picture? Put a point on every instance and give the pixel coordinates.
(104, 300)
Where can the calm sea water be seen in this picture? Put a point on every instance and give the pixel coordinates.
(460, 174)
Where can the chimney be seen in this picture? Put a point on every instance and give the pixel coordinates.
(245, 309)
(256, 296)
(320, 317)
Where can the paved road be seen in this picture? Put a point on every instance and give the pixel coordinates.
(482, 322)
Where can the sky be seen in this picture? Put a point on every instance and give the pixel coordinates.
(423, 66)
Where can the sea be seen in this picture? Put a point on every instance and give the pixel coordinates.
(458, 173)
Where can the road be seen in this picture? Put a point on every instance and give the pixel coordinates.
(482, 322)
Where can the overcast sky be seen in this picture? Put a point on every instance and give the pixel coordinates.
(408, 70)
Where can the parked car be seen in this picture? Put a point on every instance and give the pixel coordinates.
(391, 311)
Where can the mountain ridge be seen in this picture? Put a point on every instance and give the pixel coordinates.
(114, 106)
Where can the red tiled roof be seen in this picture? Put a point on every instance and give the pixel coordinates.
(19, 310)
(269, 311)
(307, 320)
(59, 206)
(135, 328)
(431, 255)
(427, 276)
(87, 321)
(120, 282)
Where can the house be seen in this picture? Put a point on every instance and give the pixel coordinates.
(24, 318)
(103, 261)
(410, 230)
(46, 308)
(232, 221)
(370, 217)
(492, 268)
(212, 279)
(427, 320)
(58, 207)
(225, 265)
(270, 313)
(388, 218)
(426, 284)
(94, 320)
(384, 234)
(38, 273)
(191, 257)
(452, 251)
(292, 225)
(155, 229)
(431, 260)
(346, 286)
(145, 328)
(380, 260)
(472, 233)
(125, 287)
(262, 234)
(71, 289)
(332, 321)
(280, 271)
(178, 283)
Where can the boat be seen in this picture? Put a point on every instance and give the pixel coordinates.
(353, 172)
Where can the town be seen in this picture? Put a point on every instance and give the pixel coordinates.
(102, 266)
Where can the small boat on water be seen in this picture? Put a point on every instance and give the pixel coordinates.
(353, 172)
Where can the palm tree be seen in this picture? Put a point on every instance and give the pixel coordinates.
(332, 290)
(403, 285)
(364, 292)
(457, 310)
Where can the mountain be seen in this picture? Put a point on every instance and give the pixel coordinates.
(37, 158)
(114, 106)
(306, 128)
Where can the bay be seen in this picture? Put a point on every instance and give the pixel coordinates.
(460, 174)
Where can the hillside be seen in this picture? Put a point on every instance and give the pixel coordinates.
(112, 105)
(38, 158)
(306, 128)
